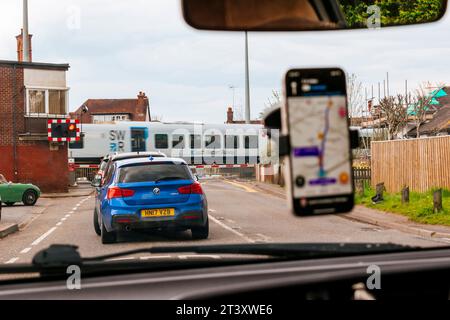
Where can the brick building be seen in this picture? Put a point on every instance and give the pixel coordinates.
(113, 110)
(231, 120)
(30, 94)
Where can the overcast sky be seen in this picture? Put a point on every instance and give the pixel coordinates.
(118, 48)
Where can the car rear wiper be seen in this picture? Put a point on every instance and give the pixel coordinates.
(171, 178)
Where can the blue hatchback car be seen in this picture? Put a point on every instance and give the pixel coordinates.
(150, 193)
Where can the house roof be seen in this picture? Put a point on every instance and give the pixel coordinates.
(441, 121)
(112, 106)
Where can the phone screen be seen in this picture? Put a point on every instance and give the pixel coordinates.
(320, 161)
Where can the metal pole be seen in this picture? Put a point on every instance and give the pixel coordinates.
(247, 82)
(25, 45)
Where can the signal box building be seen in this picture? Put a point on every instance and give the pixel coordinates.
(31, 94)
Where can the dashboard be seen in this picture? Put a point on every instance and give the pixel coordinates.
(423, 274)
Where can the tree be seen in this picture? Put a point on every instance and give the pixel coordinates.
(394, 110)
(393, 12)
(272, 101)
(356, 103)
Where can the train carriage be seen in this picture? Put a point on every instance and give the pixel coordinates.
(197, 144)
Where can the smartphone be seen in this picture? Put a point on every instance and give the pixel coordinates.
(315, 117)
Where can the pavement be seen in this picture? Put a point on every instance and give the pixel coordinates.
(19, 216)
(239, 213)
(372, 216)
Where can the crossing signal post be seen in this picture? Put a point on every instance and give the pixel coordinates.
(64, 130)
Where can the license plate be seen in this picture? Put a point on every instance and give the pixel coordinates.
(148, 213)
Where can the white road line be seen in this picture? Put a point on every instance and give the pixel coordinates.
(64, 219)
(59, 223)
(12, 260)
(263, 237)
(45, 235)
(26, 250)
(212, 210)
(67, 215)
(71, 212)
(74, 209)
(232, 230)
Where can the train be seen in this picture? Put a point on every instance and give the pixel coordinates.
(197, 144)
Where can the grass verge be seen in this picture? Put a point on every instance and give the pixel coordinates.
(419, 209)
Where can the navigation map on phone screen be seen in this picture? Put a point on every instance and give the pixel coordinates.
(319, 136)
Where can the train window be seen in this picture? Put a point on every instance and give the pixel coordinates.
(212, 142)
(232, 142)
(177, 141)
(138, 137)
(196, 141)
(251, 142)
(161, 141)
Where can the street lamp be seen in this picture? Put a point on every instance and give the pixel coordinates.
(247, 83)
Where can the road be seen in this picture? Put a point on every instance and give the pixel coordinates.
(238, 213)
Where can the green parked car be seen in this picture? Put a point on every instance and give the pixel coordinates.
(11, 193)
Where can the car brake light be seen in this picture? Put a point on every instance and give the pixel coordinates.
(194, 188)
(116, 192)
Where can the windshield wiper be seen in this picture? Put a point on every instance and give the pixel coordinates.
(54, 260)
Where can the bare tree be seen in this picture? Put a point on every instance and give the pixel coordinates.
(394, 110)
(273, 100)
(356, 103)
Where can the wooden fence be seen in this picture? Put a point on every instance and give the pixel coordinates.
(362, 174)
(421, 164)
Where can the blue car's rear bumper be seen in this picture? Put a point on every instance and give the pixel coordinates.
(188, 214)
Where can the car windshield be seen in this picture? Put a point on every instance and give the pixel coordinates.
(253, 128)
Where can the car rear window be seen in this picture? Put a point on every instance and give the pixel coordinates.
(153, 172)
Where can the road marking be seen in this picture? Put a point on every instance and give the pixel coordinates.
(232, 230)
(74, 209)
(263, 237)
(59, 223)
(64, 219)
(12, 260)
(243, 186)
(67, 215)
(71, 212)
(26, 250)
(45, 235)
(212, 210)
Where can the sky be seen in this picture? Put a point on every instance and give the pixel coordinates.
(117, 48)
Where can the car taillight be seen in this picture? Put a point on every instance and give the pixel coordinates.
(194, 188)
(116, 192)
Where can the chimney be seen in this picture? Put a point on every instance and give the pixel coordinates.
(19, 39)
(230, 115)
(144, 104)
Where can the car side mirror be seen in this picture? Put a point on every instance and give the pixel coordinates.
(196, 178)
(97, 182)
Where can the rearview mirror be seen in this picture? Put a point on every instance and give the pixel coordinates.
(307, 15)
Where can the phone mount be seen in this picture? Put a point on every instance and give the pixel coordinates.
(272, 120)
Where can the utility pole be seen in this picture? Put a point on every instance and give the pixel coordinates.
(25, 40)
(247, 83)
